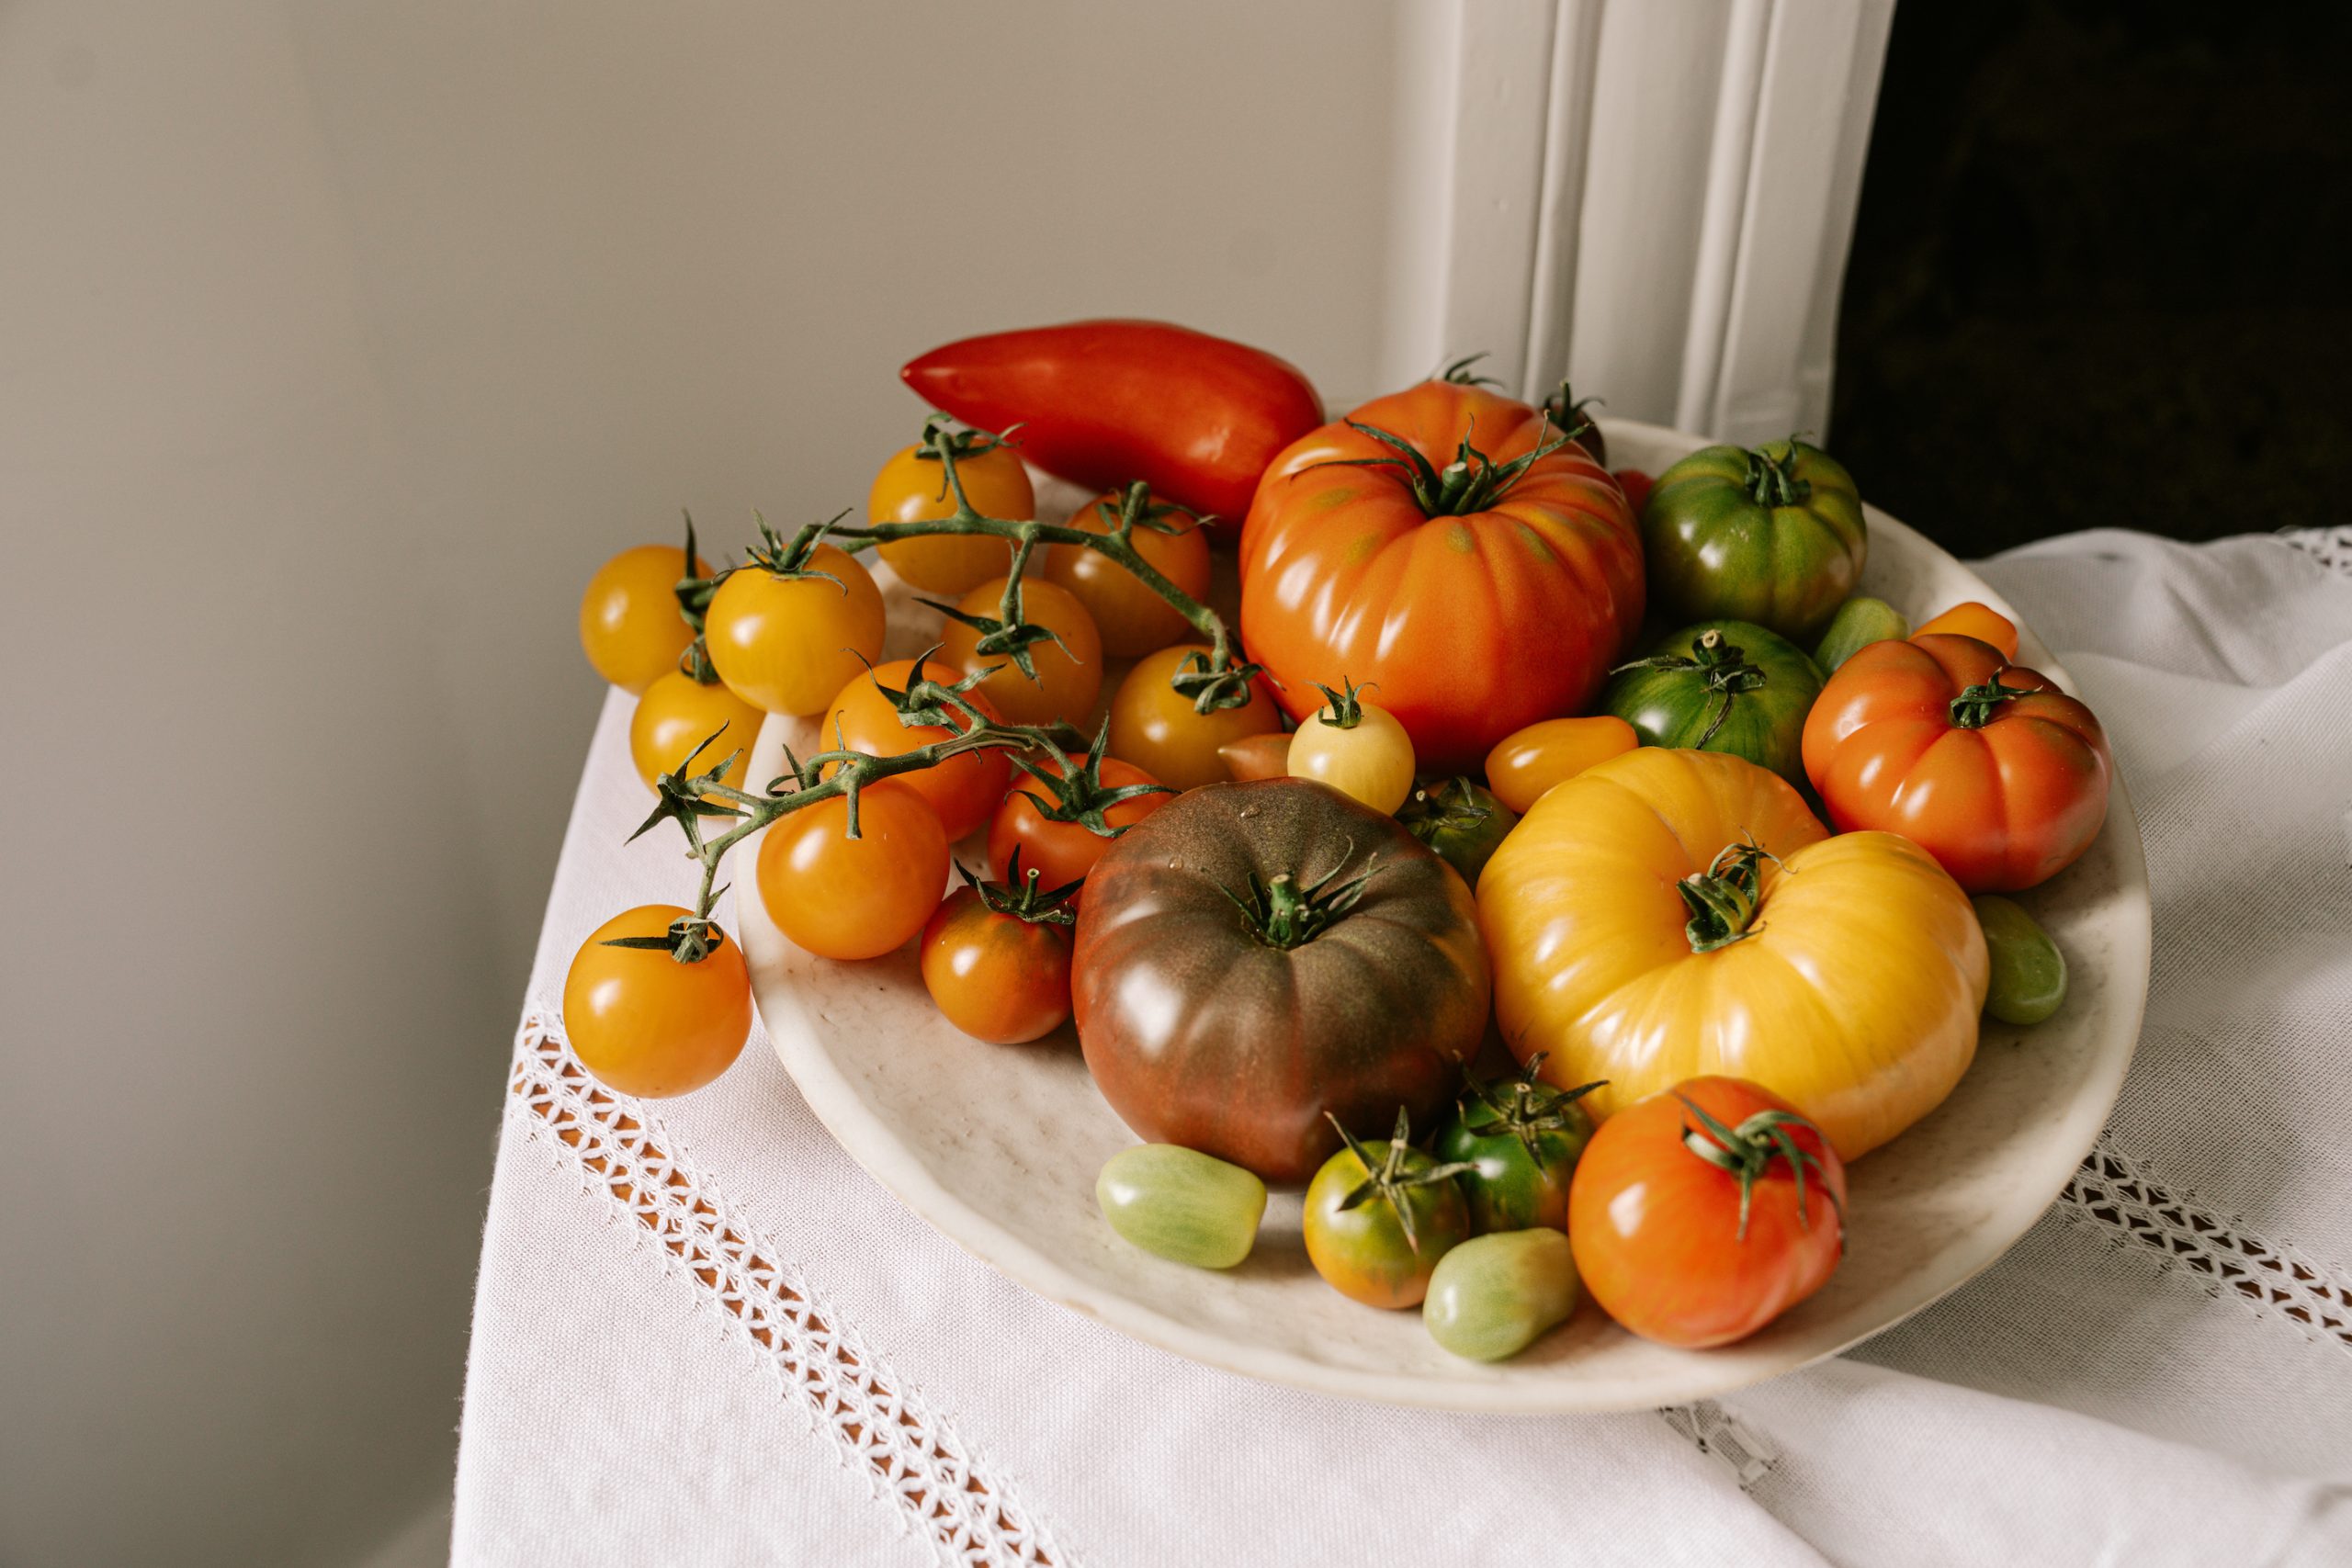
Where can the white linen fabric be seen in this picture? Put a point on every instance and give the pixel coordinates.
(703, 1336)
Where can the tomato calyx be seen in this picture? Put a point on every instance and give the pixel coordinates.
(690, 938)
(1078, 793)
(1345, 709)
(788, 558)
(1019, 896)
(1728, 673)
(1722, 898)
(929, 703)
(693, 594)
(1745, 1152)
(1566, 410)
(1525, 1107)
(1772, 481)
(1979, 705)
(1472, 482)
(1137, 508)
(682, 795)
(1389, 1180)
(943, 436)
(1451, 806)
(1283, 913)
(1459, 373)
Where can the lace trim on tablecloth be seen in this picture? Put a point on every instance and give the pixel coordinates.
(2115, 1192)
(879, 1424)
(2331, 546)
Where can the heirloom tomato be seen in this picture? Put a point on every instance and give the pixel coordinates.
(1069, 663)
(1703, 1213)
(631, 626)
(1451, 546)
(1132, 618)
(643, 1022)
(1379, 1216)
(866, 716)
(677, 714)
(839, 897)
(1670, 914)
(1157, 728)
(1357, 747)
(1461, 821)
(786, 632)
(1773, 536)
(1520, 1142)
(1181, 1204)
(1496, 1294)
(1254, 955)
(1528, 761)
(1985, 765)
(995, 957)
(1107, 403)
(1981, 621)
(1050, 816)
(1721, 686)
(912, 488)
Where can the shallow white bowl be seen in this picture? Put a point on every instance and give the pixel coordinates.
(998, 1146)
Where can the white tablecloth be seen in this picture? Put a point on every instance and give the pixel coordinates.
(703, 1336)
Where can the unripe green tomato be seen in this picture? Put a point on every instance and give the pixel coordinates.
(2028, 981)
(1181, 1204)
(1495, 1296)
(1860, 622)
(1510, 1188)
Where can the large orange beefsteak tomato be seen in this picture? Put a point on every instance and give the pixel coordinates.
(1445, 549)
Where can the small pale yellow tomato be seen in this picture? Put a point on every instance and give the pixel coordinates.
(677, 714)
(1133, 619)
(1357, 747)
(913, 488)
(645, 1024)
(787, 643)
(629, 622)
(1155, 727)
(1068, 682)
(1528, 761)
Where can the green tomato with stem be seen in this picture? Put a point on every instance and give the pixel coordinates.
(1495, 1296)
(1380, 1214)
(2027, 981)
(1721, 686)
(1180, 1204)
(1520, 1140)
(1772, 534)
(1461, 820)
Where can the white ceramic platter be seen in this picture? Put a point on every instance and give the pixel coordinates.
(998, 1146)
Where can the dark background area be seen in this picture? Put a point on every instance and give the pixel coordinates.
(2099, 277)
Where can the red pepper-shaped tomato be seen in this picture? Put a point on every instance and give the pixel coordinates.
(1423, 550)
(1110, 402)
(1985, 764)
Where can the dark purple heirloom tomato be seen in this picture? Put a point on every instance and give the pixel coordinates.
(1253, 956)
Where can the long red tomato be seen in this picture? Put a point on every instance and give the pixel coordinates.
(1112, 402)
(1701, 1214)
(1985, 764)
(1471, 591)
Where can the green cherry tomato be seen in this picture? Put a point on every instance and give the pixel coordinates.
(2028, 974)
(1520, 1141)
(1773, 536)
(1181, 1204)
(1495, 1296)
(1721, 686)
(1860, 622)
(1462, 821)
(1379, 1215)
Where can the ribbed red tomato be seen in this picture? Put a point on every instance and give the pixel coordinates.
(1471, 585)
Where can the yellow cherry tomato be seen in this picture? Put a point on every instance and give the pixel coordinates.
(1528, 761)
(677, 714)
(629, 623)
(645, 1024)
(965, 789)
(913, 488)
(844, 898)
(1067, 683)
(1133, 619)
(1156, 728)
(788, 644)
(1970, 618)
(1357, 747)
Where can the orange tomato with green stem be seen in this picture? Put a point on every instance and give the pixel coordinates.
(642, 1022)
(790, 629)
(912, 488)
(631, 627)
(1132, 618)
(1160, 730)
(995, 957)
(1062, 815)
(840, 895)
(871, 715)
(1065, 664)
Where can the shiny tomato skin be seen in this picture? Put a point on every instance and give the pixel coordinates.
(1363, 1252)
(912, 489)
(1526, 762)
(842, 897)
(995, 975)
(2002, 807)
(644, 1023)
(1063, 853)
(1656, 1228)
(1371, 759)
(631, 626)
(1469, 626)
(788, 644)
(1132, 618)
(1107, 403)
(1971, 618)
(1155, 726)
(963, 790)
(677, 714)
(1069, 677)
(1636, 485)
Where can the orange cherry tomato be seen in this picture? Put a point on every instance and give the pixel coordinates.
(1656, 1225)
(677, 714)
(1528, 761)
(788, 644)
(645, 1024)
(1132, 618)
(1981, 621)
(962, 790)
(629, 624)
(844, 898)
(1263, 756)
(1067, 683)
(912, 488)
(996, 975)
(1157, 729)
(1062, 852)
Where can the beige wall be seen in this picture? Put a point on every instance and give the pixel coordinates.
(337, 344)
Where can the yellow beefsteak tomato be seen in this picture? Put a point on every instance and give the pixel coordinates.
(1668, 914)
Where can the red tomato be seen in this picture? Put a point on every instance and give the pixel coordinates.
(1985, 764)
(964, 789)
(842, 897)
(1658, 1227)
(998, 973)
(1062, 850)
(1477, 604)
(1109, 402)
(1637, 486)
